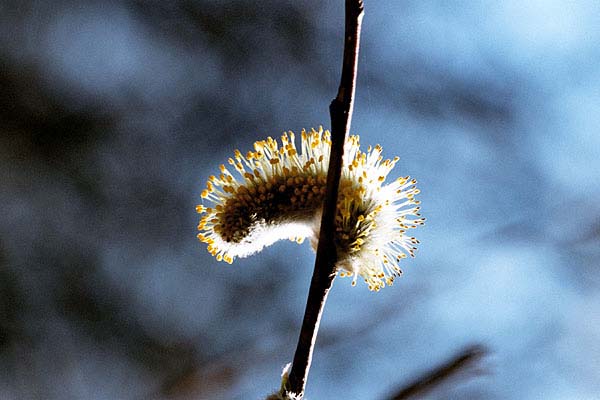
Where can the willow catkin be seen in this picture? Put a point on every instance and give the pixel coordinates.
(278, 194)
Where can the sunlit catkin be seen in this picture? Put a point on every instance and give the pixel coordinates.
(278, 193)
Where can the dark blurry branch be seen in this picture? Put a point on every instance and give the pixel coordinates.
(324, 271)
(430, 380)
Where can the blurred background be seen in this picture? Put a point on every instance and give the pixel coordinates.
(114, 113)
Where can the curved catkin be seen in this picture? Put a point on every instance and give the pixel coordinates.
(278, 193)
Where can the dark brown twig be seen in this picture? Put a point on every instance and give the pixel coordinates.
(324, 272)
(459, 363)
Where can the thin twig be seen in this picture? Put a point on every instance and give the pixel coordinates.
(459, 363)
(324, 272)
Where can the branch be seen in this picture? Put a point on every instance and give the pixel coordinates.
(431, 379)
(324, 272)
